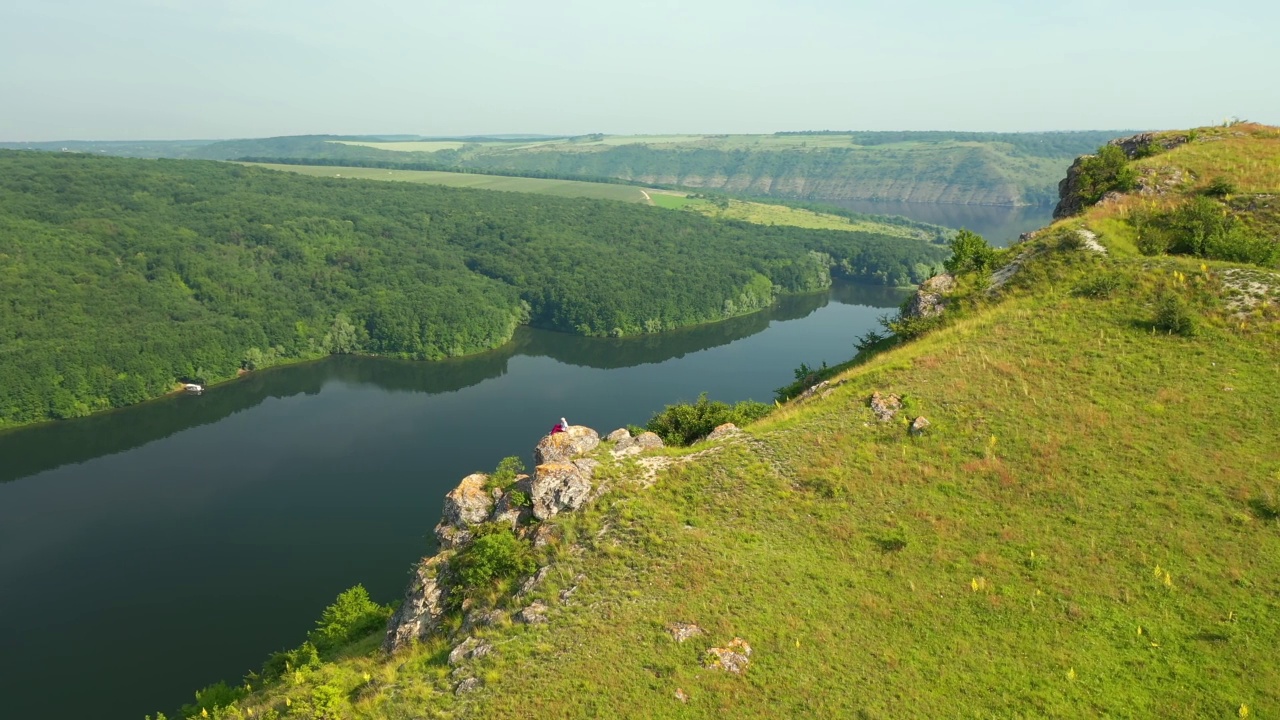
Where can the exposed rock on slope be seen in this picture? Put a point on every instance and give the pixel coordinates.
(562, 482)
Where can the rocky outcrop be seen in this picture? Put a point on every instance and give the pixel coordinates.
(733, 658)
(466, 506)
(535, 614)
(555, 487)
(469, 649)
(560, 486)
(723, 431)
(681, 631)
(885, 406)
(618, 435)
(638, 444)
(928, 301)
(562, 446)
(423, 606)
(1140, 145)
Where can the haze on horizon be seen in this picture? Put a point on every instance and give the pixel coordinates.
(173, 69)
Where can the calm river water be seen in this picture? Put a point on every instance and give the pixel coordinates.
(147, 552)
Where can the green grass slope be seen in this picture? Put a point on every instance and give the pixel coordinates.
(1089, 527)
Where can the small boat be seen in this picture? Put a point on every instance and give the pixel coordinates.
(193, 388)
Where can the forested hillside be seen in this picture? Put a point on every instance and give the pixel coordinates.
(119, 277)
(947, 167)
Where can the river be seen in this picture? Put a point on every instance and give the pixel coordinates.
(149, 551)
(1000, 225)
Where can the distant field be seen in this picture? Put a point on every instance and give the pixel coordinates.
(414, 146)
(561, 188)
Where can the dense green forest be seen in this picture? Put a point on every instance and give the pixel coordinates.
(119, 277)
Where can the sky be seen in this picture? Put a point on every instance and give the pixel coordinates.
(180, 69)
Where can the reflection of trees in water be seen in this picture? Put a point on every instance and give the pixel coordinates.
(46, 447)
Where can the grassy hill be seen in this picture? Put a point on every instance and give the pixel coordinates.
(1090, 525)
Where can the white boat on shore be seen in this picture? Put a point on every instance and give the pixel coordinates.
(193, 388)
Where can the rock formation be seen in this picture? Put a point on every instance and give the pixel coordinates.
(423, 605)
(885, 406)
(559, 486)
(928, 302)
(559, 447)
(638, 444)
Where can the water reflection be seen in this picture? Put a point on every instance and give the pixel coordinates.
(33, 450)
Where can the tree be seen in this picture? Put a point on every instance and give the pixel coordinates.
(969, 251)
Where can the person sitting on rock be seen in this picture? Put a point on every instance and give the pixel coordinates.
(560, 427)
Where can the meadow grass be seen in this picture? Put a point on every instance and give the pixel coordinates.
(1089, 527)
(504, 183)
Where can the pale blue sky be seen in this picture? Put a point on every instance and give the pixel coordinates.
(134, 69)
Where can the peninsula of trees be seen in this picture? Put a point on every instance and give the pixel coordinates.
(119, 277)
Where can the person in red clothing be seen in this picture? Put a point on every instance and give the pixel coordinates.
(562, 426)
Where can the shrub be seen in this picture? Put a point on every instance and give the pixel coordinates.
(505, 474)
(1147, 150)
(1220, 187)
(302, 657)
(496, 554)
(519, 499)
(213, 697)
(684, 423)
(969, 251)
(327, 702)
(1107, 171)
(1174, 315)
(350, 617)
(1102, 286)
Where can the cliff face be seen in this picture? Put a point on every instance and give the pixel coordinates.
(1134, 146)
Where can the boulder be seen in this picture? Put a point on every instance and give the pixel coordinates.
(559, 447)
(924, 305)
(505, 509)
(638, 444)
(534, 614)
(423, 606)
(732, 658)
(681, 631)
(943, 283)
(885, 406)
(469, 503)
(468, 685)
(723, 431)
(617, 435)
(534, 580)
(482, 618)
(918, 426)
(560, 486)
(469, 649)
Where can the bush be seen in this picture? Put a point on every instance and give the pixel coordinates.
(211, 698)
(350, 617)
(302, 657)
(1174, 315)
(969, 251)
(495, 555)
(1220, 187)
(684, 423)
(1148, 150)
(505, 474)
(1102, 286)
(1099, 174)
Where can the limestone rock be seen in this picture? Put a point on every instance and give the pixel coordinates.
(535, 614)
(918, 426)
(681, 695)
(468, 649)
(452, 538)
(724, 431)
(505, 509)
(943, 283)
(560, 486)
(732, 658)
(885, 406)
(563, 446)
(924, 305)
(468, 685)
(638, 444)
(469, 503)
(617, 435)
(482, 618)
(423, 605)
(683, 631)
(534, 580)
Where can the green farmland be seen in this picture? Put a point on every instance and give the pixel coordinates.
(559, 188)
